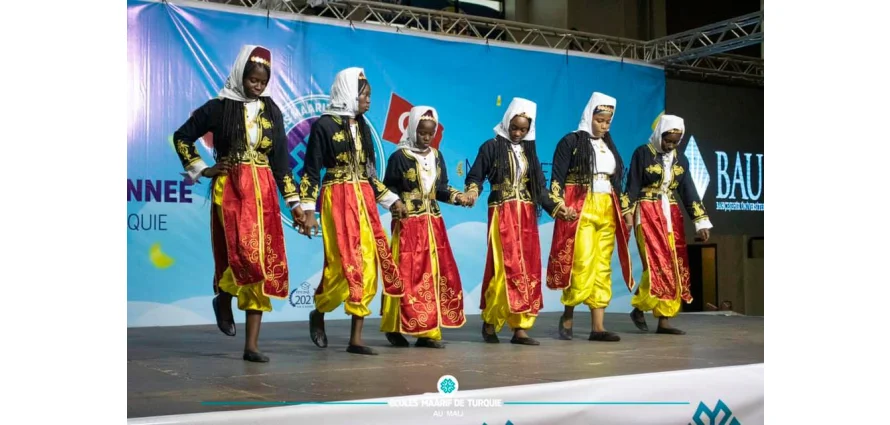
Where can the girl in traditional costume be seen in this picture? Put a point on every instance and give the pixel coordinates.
(433, 291)
(657, 170)
(511, 286)
(355, 244)
(250, 149)
(587, 179)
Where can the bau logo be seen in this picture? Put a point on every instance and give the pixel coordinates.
(301, 296)
(736, 193)
(721, 415)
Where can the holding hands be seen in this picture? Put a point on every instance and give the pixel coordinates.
(567, 213)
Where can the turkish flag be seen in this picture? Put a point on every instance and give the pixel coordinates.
(397, 121)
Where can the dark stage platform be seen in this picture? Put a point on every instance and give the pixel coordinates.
(172, 370)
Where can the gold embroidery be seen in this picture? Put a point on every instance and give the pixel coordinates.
(258, 59)
(654, 169)
(339, 136)
(289, 186)
(337, 119)
(251, 241)
(343, 158)
(381, 188)
(560, 265)
(391, 275)
(411, 175)
(555, 188)
(265, 123)
(265, 143)
(276, 269)
(625, 201)
(697, 210)
(677, 170)
(460, 169)
(183, 150)
(472, 187)
(426, 307)
(450, 303)
(305, 188)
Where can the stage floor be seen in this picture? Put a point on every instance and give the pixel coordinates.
(171, 370)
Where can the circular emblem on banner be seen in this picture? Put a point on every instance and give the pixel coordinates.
(302, 296)
(299, 115)
(447, 384)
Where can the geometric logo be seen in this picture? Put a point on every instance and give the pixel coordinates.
(705, 416)
(447, 385)
(697, 169)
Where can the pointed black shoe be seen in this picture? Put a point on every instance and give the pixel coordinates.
(428, 343)
(669, 331)
(361, 349)
(316, 330)
(604, 336)
(639, 319)
(491, 338)
(524, 341)
(397, 339)
(256, 357)
(226, 326)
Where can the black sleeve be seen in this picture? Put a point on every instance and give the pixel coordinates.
(312, 165)
(480, 169)
(562, 159)
(547, 203)
(690, 199)
(393, 176)
(198, 124)
(280, 160)
(634, 183)
(444, 192)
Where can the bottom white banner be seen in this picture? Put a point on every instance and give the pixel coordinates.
(713, 396)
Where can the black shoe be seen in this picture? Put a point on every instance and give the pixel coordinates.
(669, 331)
(361, 349)
(256, 357)
(428, 343)
(524, 341)
(225, 325)
(564, 332)
(491, 338)
(397, 340)
(639, 319)
(316, 329)
(604, 336)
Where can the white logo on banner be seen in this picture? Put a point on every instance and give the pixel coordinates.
(697, 168)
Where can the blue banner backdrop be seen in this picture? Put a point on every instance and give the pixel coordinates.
(179, 55)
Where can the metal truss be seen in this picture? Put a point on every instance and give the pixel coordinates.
(734, 68)
(693, 53)
(708, 40)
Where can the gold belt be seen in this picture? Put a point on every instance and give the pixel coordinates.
(250, 157)
(504, 187)
(413, 196)
(653, 191)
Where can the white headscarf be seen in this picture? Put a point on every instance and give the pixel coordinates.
(518, 106)
(598, 102)
(409, 137)
(344, 93)
(665, 124)
(234, 88)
